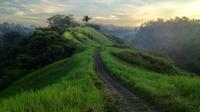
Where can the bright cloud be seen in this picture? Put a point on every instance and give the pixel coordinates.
(19, 13)
(111, 17)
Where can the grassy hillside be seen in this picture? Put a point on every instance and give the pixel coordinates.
(69, 37)
(66, 85)
(93, 35)
(70, 85)
(171, 93)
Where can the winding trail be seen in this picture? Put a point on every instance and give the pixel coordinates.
(127, 100)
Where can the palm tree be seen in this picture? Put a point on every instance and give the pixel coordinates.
(86, 19)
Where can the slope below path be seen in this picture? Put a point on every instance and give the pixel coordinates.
(127, 101)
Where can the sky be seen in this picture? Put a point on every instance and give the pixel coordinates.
(116, 12)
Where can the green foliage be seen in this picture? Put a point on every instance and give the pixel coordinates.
(177, 93)
(42, 48)
(67, 85)
(61, 22)
(30, 53)
(147, 61)
(178, 38)
(70, 84)
(64, 86)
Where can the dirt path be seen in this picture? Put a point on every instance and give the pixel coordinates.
(127, 100)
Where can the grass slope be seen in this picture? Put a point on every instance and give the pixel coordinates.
(93, 35)
(172, 93)
(147, 61)
(69, 37)
(85, 41)
(64, 86)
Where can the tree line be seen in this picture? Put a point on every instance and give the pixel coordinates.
(179, 38)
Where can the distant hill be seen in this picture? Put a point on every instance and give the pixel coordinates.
(179, 38)
(117, 31)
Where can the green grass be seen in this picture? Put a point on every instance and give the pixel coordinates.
(71, 85)
(85, 41)
(94, 35)
(147, 61)
(171, 93)
(69, 37)
(86, 36)
(64, 86)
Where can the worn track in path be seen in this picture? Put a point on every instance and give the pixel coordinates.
(127, 100)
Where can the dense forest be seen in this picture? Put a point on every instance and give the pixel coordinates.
(25, 50)
(179, 38)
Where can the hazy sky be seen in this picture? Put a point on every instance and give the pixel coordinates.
(117, 12)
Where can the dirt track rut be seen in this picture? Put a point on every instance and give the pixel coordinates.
(127, 100)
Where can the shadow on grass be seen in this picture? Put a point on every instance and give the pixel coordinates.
(41, 78)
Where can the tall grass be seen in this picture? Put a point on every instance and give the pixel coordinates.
(65, 86)
(171, 93)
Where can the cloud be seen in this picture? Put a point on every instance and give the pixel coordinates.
(118, 12)
(111, 17)
(42, 8)
(19, 13)
(104, 1)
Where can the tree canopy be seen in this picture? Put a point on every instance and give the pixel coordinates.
(60, 22)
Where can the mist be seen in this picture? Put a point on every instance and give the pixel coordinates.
(178, 38)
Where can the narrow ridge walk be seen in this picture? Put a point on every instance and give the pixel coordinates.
(128, 101)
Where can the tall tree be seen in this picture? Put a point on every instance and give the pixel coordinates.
(86, 19)
(58, 22)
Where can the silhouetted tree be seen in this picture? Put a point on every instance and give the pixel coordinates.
(86, 19)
